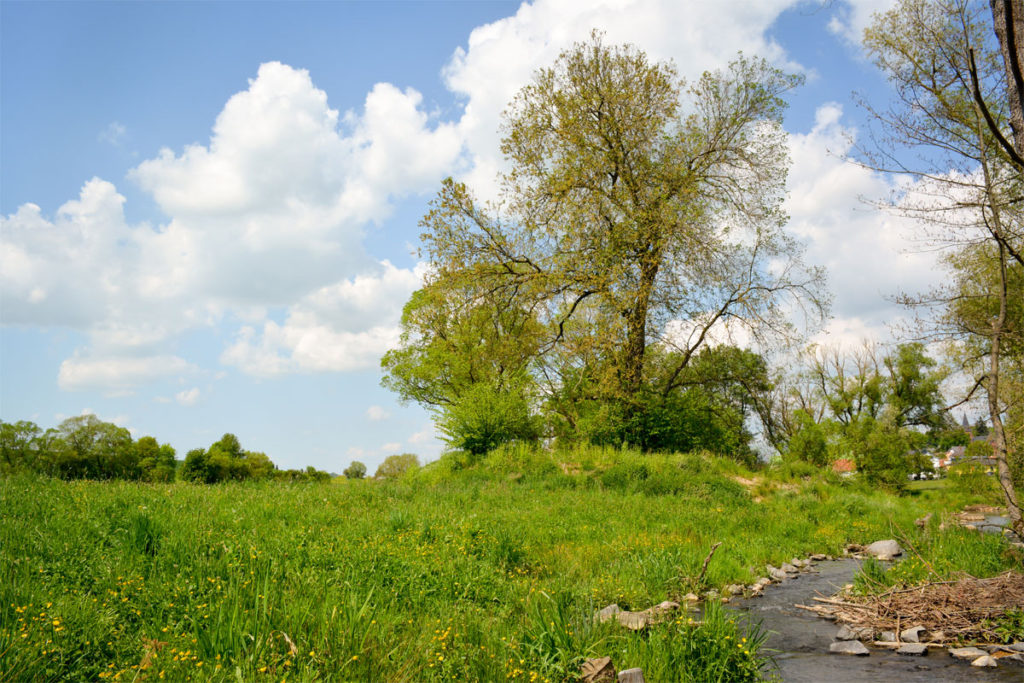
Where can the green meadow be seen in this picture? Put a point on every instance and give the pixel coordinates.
(488, 570)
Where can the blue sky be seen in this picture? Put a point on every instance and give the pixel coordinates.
(210, 209)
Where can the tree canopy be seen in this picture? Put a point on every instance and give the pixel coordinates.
(641, 218)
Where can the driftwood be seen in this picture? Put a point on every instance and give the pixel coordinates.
(707, 561)
(959, 609)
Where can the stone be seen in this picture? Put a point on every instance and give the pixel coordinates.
(631, 676)
(690, 597)
(884, 550)
(777, 574)
(789, 569)
(634, 621)
(797, 562)
(734, 589)
(985, 660)
(912, 634)
(887, 637)
(971, 653)
(849, 647)
(853, 632)
(607, 613)
(937, 636)
(913, 650)
(660, 612)
(600, 670)
(1017, 647)
(763, 581)
(818, 557)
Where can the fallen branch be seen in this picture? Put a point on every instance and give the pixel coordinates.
(707, 561)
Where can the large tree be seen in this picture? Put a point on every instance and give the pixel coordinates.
(638, 212)
(956, 96)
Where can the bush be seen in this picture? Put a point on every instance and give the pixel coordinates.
(356, 470)
(395, 466)
(486, 417)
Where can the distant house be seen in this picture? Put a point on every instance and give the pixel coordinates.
(844, 467)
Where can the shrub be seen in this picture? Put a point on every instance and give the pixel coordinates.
(395, 466)
(356, 470)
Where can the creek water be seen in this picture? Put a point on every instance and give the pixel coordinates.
(800, 639)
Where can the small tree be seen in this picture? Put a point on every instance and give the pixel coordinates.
(355, 470)
(394, 466)
(487, 417)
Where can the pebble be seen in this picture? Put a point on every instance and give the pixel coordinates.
(849, 647)
(966, 652)
(913, 650)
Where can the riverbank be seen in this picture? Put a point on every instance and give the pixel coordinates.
(481, 574)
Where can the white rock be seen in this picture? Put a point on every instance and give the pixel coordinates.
(912, 635)
(849, 647)
(985, 660)
(884, 550)
(971, 653)
(631, 676)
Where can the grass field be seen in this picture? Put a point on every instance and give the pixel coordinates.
(472, 573)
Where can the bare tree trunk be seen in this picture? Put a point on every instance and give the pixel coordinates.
(1008, 21)
(995, 413)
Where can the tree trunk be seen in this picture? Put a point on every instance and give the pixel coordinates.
(1008, 22)
(999, 433)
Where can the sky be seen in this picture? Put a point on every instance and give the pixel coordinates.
(209, 210)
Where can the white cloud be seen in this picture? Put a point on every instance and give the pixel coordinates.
(113, 134)
(187, 397)
(286, 185)
(344, 326)
(117, 374)
(283, 189)
(870, 254)
(853, 16)
(391, 447)
(377, 413)
(501, 57)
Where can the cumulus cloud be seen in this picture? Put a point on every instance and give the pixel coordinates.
(501, 57)
(265, 221)
(377, 413)
(187, 397)
(344, 326)
(870, 254)
(269, 214)
(853, 16)
(117, 374)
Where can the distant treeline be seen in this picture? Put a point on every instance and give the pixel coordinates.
(86, 447)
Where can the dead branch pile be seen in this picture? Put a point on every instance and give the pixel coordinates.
(953, 610)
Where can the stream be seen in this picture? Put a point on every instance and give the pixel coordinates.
(800, 639)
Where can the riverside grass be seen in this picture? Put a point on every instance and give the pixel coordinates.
(463, 570)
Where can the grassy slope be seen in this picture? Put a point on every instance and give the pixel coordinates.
(481, 574)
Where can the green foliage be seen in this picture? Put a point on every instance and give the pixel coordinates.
(355, 470)
(196, 467)
(225, 460)
(808, 443)
(1008, 627)
(397, 466)
(530, 297)
(881, 452)
(92, 449)
(269, 579)
(486, 417)
(156, 461)
(974, 478)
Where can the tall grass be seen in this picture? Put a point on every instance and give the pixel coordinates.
(474, 571)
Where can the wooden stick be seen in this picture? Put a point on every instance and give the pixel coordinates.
(707, 560)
